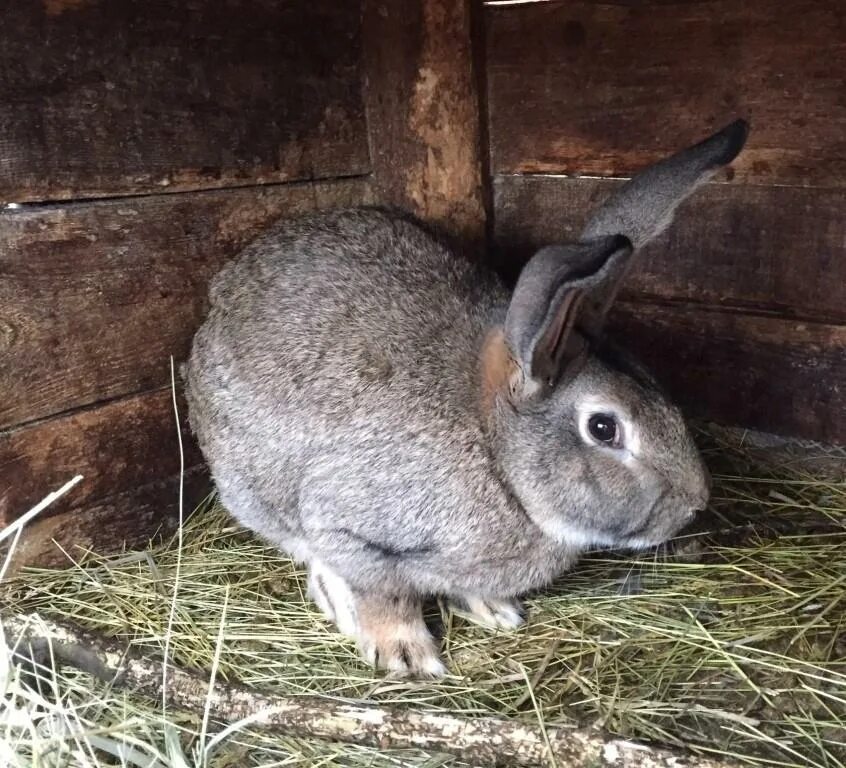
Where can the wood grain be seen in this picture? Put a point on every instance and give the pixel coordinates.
(128, 96)
(778, 249)
(126, 520)
(422, 105)
(117, 447)
(768, 373)
(604, 88)
(96, 297)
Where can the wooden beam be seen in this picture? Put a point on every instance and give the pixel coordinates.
(128, 96)
(95, 297)
(781, 250)
(130, 520)
(423, 112)
(769, 373)
(605, 88)
(117, 447)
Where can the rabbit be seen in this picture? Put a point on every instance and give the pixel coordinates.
(389, 414)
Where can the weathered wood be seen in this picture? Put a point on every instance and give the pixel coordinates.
(95, 297)
(422, 105)
(769, 373)
(604, 88)
(40, 643)
(118, 446)
(779, 249)
(127, 96)
(123, 520)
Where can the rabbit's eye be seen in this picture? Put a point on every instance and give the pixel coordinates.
(603, 429)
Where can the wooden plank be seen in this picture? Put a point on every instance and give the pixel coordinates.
(778, 249)
(128, 96)
(119, 446)
(604, 88)
(123, 521)
(96, 297)
(422, 105)
(768, 373)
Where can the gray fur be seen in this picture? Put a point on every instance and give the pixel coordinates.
(336, 393)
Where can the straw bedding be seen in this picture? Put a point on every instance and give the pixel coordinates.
(731, 640)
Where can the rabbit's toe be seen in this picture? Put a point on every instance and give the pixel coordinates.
(333, 596)
(496, 614)
(403, 656)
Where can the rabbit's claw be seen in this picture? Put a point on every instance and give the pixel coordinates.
(490, 612)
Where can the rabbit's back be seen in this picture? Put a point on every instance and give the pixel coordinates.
(340, 346)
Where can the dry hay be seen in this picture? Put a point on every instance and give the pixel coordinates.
(730, 641)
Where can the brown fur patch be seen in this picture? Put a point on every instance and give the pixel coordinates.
(498, 366)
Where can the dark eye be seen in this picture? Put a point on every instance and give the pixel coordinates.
(604, 429)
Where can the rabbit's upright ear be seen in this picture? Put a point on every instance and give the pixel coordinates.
(644, 206)
(565, 291)
(547, 301)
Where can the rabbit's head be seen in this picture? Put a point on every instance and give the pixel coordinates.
(586, 440)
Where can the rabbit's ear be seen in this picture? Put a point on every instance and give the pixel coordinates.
(644, 206)
(546, 305)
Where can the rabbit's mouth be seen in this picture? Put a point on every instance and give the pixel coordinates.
(677, 521)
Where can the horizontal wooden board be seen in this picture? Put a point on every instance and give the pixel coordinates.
(768, 373)
(95, 297)
(126, 96)
(117, 447)
(604, 88)
(126, 520)
(780, 249)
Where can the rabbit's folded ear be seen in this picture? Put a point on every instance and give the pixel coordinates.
(547, 302)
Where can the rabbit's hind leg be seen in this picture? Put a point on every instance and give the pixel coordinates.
(333, 596)
(489, 612)
(394, 637)
(389, 627)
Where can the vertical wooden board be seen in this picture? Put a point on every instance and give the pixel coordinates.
(781, 249)
(109, 97)
(95, 297)
(768, 373)
(422, 105)
(117, 447)
(604, 88)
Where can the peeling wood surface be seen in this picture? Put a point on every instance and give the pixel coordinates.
(776, 249)
(127, 96)
(96, 297)
(604, 88)
(117, 446)
(423, 112)
(769, 373)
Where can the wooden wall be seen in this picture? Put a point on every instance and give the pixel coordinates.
(142, 143)
(741, 306)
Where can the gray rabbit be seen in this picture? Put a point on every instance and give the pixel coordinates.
(387, 413)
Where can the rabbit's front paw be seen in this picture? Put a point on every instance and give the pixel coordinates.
(496, 614)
